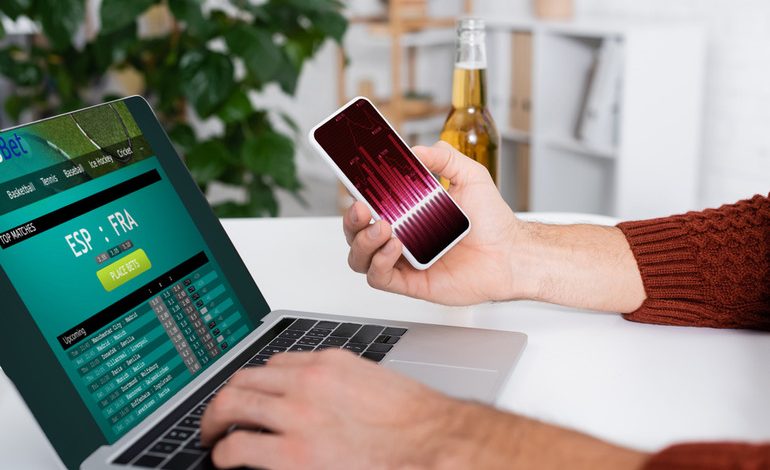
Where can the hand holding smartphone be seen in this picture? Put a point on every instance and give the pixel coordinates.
(379, 169)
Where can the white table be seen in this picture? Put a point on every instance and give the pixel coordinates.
(639, 385)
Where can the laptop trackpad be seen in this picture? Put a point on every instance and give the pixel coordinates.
(459, 382)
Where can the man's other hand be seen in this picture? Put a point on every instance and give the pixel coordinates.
(327, 409)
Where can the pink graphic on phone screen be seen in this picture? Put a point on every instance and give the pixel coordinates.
(391, 179)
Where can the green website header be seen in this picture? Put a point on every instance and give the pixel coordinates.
(51, 156)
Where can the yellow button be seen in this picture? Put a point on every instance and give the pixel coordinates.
(123, 270)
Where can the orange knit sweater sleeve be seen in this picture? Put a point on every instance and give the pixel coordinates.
(709, 268)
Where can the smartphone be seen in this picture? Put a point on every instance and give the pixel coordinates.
(378, 168)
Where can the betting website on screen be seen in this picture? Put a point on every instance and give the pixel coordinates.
(108, 262)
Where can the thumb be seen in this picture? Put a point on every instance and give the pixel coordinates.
(444, 160)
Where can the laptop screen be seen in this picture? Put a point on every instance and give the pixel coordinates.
(110, 265)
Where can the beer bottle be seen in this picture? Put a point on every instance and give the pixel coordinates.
(469, 127)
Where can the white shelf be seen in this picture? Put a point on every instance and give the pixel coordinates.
(588, 27)
(426, 38)
(574, 145)
(652, 167)
(515, 135)
(436, 37)
(428, 125)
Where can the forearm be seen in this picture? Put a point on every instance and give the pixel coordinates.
(488, 438)
(585, 266)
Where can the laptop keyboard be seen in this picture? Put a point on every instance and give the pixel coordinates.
(180, 449)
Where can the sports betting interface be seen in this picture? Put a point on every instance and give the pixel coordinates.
(110, 265)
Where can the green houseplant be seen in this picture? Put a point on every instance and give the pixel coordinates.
(208, 60)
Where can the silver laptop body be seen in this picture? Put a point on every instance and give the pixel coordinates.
(467, 363)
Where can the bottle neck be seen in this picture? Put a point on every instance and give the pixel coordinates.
(469, 87)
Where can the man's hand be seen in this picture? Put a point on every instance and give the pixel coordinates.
(333, 410)
(477, 270)
(327, 410)
(502, 258)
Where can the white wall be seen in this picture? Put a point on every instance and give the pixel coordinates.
(735, 156)
(736, 133)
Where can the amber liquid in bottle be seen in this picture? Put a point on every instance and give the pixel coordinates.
(469, 127)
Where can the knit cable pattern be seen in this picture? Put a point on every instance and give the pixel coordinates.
(709, 268)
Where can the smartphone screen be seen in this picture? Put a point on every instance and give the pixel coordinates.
(391, 179)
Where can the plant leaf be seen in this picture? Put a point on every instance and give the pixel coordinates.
(331, 23)
(20, 72)
(189, 11)
(234, 175)
(261, 56)
(315, 5)
(116, 14)
(208, 160)
(16, 104)
(60, 20)
(262, 198)
(302, 46)
(113, 47)
(288, 76)
(207, 80)
(27, 74)
(184, 136)
(15, 8)
(236, 108)
(271, 154)
(233, 209)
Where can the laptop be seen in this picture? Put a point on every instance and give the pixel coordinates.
(126, 307)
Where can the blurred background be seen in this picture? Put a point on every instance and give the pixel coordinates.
(617, 107)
